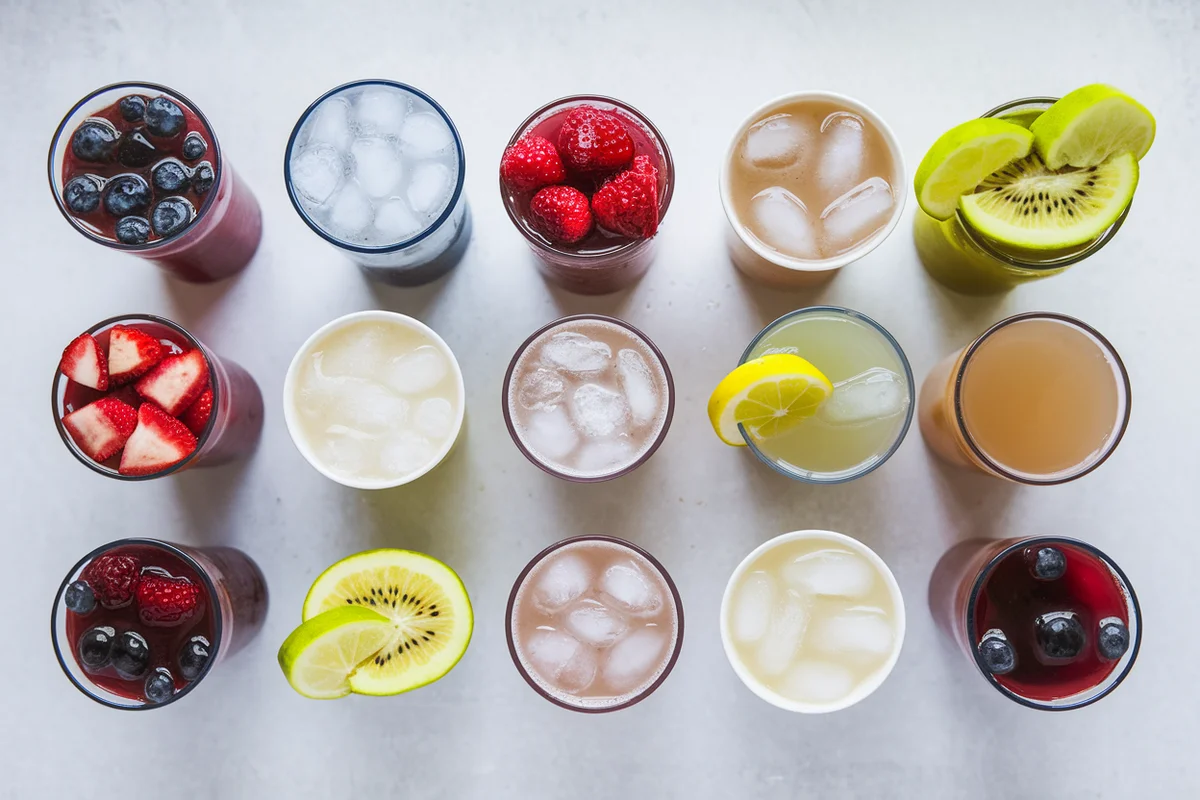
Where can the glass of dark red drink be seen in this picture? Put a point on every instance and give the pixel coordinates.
(137, 397)
(138, 623)
(137, 167)
(1052, 623)
(587, 180)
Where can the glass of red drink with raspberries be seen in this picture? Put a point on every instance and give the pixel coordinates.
(137, 397)
(138, 623)
(137, 167)
(587, 181)
(1051, 622)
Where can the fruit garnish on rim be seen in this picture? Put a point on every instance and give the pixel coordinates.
(767, 396)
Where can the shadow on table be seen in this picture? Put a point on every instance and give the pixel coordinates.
(208, 497)
(974, 503)
(191, 303)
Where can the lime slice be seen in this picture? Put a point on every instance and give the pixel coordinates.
(1090, 125)
(768, 395)
(424, 601)
(962, 157)
(321, 655)
(1030, 206)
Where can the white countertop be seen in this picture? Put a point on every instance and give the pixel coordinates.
(934, 730)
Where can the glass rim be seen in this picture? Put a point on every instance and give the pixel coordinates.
(179, 552)
(520, 582)
(664, 201)
(404, 244)
(210, 197)
(1048, 264)
(659, 438)
(201, 440)
(908, 377)
(1124, 387)
(1135, 616)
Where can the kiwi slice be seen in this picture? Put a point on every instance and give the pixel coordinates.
(423, 599)
(1028, 205)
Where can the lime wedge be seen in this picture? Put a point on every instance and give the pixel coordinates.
(768, 395)
(962, 157)
(1090, 125)
(321, 655)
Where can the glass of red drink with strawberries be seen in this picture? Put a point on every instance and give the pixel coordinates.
(138, 397)
(137, 167)
(587, 181)
(138, 623)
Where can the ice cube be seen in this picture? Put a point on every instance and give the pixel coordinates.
(843, 152)
(435, 418)
(858, 213)
(381, 111)
(317, 172)
(596, 624)
(346, 450)
(425, 134)
(859, 633)
(361, 352)
(576, 353)
(369, 407)
(817, 682)
(785, 631)
(396, 221)
(875, 394)
(631, 589)
(774, 351)
(561, 660)
(598, 411)
(418, 371)
(604, 455)
(752, 604)
(831, 572)
(777, 141)
(377, 165)
(540, 388)
(781, 220)
(430, 188)
(331, 124)
(350, 214)
(406, 452)
(549, 433)
(638, 385)
(564, 579)
(631, 662)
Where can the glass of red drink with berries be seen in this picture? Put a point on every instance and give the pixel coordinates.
(137, 167)
(138, 623)
(1051, 622)
(138, 397)
(587, 181)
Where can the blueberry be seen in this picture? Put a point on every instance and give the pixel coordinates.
(160, 686)
(1113, 640)
(170, 176)
(130, 655)
(127, 194)
(203, 177)
(136, 150)
(1060, 636)
(171, 216)
(997, 653)
(194, 146)
(132, 107)
(164, 118)
(193, 657)
(133, 230)
(1047, 563)
(80, 598)
(95, 141)
(82, 194)
(95, 648)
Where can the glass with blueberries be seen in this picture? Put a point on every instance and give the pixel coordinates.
(137, 167)
(138, 623)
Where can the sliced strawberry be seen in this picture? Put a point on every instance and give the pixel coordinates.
(176, 382)
(83, 363)
(101, 428)
(113, 578)
(531, 163)
(158, 442)
(592, 139)
(561, 213)
(164, 601)
(196, 417)
(131, 354)
(628, 204)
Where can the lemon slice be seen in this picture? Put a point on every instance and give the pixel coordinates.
(321, 655)
(962, 157)
(1090, 125)
(768, 395)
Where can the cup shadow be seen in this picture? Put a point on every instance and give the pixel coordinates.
(975, 503)
(208, 497)
(192, 303)
(772, 302)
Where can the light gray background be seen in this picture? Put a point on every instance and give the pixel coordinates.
(935, 729)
